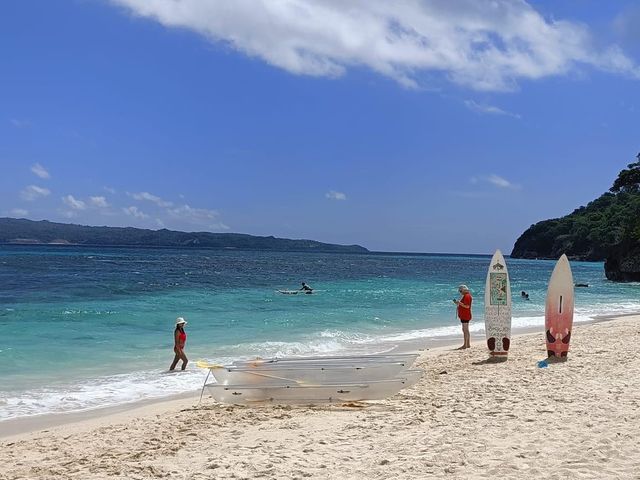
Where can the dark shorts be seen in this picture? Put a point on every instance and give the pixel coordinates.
(465, 321)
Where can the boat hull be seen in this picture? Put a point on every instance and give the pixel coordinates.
(305, 373)
(312, 394)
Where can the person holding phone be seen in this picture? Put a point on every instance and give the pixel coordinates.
(464, 314)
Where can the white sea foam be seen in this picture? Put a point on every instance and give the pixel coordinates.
(99, 392)
(88, 312)
(336, 343)
(477, 327)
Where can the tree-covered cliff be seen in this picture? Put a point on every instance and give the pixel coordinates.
(608, 228)
(23, 231)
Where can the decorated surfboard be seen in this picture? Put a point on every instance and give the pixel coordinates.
(497, 306)
(558, 314)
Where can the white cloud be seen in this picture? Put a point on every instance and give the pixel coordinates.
(134, 212)
(40, 171)
(19, 212)
(110, 190)
(33, 192)
(496, 180)
(219, 226)
(488, 109)
(74, 203)
(333, 195)
(146, 196)
(198, 216)
(100, 202)
(194, 214)
(20, 123)
(500, 182)
(176, 216)
(481, 44)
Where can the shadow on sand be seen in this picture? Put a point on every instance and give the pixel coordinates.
(554, 359)
(491, 360)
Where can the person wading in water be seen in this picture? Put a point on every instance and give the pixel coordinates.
(180, 339)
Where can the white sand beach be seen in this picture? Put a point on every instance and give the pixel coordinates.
(467, 418)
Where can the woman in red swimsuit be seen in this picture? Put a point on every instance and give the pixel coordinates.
(180, 338)
(464, 314)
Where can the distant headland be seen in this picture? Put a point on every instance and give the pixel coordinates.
(608, 228)
(29, 232)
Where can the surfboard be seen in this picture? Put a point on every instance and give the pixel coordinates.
(558, 313)
(288, 292)
(497, 306)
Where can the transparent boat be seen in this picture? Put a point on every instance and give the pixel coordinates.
(305, 372)
(407, 358)
(298, 393)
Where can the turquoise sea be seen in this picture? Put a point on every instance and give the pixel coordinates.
(84, 327)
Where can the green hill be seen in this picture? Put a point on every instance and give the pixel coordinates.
(608, 228)
(21, 231)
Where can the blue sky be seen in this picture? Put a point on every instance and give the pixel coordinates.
(417, 125)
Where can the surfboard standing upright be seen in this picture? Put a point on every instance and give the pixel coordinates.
(558, 315)
(497, 306)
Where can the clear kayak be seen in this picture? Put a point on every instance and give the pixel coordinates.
(309, 372)
(297, 393)
(407, 358)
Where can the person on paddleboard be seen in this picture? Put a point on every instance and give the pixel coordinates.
(180, 339)
(464, 314)
(306, 288)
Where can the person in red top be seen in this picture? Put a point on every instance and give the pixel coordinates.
(180, 338)
(464, 314)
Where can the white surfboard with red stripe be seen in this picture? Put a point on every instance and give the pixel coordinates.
(558, 314)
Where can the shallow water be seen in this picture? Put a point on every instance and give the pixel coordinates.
(89, 327)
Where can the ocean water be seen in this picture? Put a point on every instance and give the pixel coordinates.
(84, 328)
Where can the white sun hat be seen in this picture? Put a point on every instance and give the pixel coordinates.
(180, 321)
